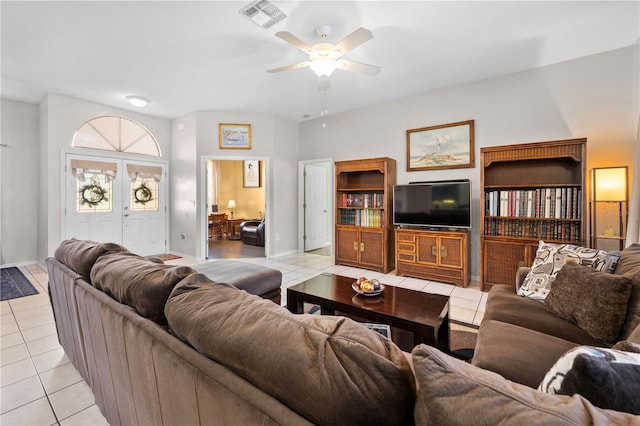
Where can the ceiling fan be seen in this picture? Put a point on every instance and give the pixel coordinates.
(325, 57)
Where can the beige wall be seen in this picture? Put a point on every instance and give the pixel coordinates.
(250, 202)
(274, 140)
(594, 97)
(20, 172)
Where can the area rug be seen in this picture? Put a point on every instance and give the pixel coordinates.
(14, 284)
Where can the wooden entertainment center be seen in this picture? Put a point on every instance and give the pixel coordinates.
(435, 255)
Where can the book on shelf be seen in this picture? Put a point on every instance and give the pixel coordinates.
(540, 203)
(365, 200)
(368, 218)
(560, 230)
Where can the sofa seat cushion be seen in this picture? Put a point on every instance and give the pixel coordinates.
(504, 305)
(138, 282)
(80, 255)
(594, 301)
(452, 392)
(516, 353)
(330, 370)
(254, 279)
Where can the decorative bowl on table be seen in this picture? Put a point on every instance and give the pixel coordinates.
(367, 287)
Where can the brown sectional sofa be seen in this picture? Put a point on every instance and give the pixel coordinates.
(166, 345)
(521, 340)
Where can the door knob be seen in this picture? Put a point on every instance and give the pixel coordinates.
(126, 215)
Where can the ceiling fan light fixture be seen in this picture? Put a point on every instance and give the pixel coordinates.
(137, 101)
(323, 63)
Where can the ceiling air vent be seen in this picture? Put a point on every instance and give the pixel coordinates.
(263, 13)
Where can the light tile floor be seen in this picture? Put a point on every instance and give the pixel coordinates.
(39, 386)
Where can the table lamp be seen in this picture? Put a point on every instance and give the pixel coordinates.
(231, 206)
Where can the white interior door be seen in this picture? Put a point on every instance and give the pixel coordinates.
(315, 207)
(115, 200)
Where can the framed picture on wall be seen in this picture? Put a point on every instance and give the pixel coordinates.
(234, 136)
(447, 146)
(251, 174)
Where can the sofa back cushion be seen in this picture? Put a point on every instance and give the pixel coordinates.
(629, 266)
(330, 370)
(80, 255)
(138, 282)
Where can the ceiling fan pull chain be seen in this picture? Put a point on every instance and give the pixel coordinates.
(323, 107)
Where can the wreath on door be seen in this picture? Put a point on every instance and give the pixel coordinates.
(142, 193)
(93, 193)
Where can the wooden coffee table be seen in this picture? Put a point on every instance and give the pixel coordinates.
(425, 315)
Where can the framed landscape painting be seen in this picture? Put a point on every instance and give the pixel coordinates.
(447, 146)
(234, 136)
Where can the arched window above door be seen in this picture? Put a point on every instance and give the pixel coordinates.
(120, 134)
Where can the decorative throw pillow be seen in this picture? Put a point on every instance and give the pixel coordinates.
(608, 378)
(551, 257)
(594, 301)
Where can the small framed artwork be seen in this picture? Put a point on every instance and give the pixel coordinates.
(447, 146)
(251, 173)
(234, 136)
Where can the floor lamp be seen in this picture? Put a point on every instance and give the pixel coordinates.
(609, 204)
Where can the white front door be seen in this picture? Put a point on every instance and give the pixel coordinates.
(115, 200)
(315, 207)
(144, 212)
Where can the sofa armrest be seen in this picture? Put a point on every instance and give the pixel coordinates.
(520, 275)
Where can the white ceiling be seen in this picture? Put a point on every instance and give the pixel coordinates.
(204, 55)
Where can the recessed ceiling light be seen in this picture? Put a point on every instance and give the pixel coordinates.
(137, 101)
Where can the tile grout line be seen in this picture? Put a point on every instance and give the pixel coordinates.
(44, 390)
(31, 279)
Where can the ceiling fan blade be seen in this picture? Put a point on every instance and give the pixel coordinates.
(294, 41)
(353, 40)
(291, 67)
(359, 67)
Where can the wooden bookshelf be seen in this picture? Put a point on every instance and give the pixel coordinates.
(364, 203)
(529, 192)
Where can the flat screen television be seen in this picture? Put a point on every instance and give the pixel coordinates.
(433, 204)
